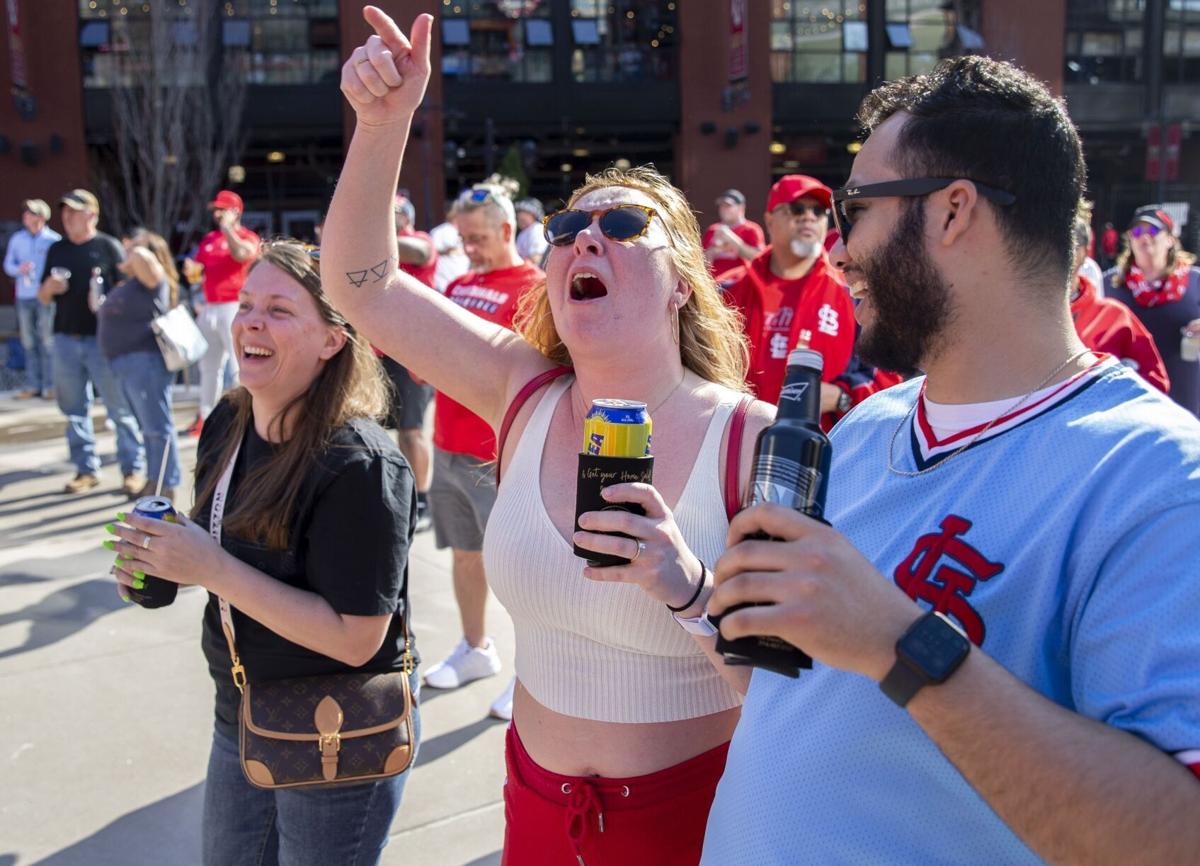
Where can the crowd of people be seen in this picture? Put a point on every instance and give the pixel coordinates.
(999, 607)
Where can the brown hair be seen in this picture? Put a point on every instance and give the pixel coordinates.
(157, 246)
(711, 342)
(351, 384)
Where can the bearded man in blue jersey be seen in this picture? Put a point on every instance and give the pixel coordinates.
(1003, 613)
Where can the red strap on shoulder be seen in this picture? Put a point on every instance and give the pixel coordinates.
(514, 407)
(733, 457)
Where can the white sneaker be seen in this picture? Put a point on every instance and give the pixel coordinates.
(464, 664)
(502, 706)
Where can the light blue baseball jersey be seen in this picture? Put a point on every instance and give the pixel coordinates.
(1064, 542)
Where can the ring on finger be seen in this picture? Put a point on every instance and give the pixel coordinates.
(641, 546)
(146, 542)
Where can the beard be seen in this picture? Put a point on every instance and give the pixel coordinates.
(804, 249)
(909, 297)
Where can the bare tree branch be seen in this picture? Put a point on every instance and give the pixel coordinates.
(177, 108)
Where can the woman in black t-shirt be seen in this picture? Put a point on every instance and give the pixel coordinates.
(313, 555)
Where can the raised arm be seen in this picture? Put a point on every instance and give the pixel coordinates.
(474, 361)
(146, 268)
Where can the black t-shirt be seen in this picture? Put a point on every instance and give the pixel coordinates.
(72, 314)
(348, 542)
(1165, 324)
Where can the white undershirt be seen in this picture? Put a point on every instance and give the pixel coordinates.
(946, 419)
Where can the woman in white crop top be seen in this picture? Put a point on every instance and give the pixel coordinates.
(623, 716)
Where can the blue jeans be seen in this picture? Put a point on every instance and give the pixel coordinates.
(36, 322)
(247, 826)
(78, 367)
(146, 383)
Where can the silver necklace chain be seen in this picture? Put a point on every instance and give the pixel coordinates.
(911, 412)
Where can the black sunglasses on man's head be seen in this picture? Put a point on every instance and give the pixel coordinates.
(910, 187)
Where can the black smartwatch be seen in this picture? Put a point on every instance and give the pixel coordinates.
(927, 654)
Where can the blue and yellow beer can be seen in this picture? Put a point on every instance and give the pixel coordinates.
(617, 428)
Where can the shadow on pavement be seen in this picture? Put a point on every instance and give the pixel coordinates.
(444, 744)
(164, 832)
(62, 613)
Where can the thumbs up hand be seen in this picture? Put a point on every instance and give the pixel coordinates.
(385, 78)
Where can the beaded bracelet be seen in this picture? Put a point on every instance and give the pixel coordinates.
(696, 595)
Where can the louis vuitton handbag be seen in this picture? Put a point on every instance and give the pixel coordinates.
(334, 729)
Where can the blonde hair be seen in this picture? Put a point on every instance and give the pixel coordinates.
(711, 342)
(1120, 271)
(350, 385)
(157, 245)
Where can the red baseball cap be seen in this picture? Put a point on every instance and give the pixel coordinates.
(793, 186)
(227, 200)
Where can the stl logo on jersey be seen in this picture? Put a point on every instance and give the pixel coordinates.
(942, 569)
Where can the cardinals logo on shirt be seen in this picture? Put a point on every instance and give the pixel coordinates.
(943, 570)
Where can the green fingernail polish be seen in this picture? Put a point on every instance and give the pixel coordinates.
(120, 515)
(139, 584)
(110, 529)
(140, 575)
(110, 545)
(120, 561)
(126, 599)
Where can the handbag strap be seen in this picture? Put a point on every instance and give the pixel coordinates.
(215, 514)
(527, 390)
(733, 457)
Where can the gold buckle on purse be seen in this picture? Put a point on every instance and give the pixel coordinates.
(239, 674)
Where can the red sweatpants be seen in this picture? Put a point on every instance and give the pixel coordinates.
(655, 820)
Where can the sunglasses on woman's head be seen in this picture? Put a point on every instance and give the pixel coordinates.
(1138, 231)
(624, 222)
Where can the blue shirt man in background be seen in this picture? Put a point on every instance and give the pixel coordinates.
(24, 261)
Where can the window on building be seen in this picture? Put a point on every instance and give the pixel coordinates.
(1181, 42)
(623, 40)
(818, 42)
(503, 40)
(1104, 41)
(275, 41)
(922, 32)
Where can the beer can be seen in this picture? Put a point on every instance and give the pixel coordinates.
(156, 592)
(617, 428)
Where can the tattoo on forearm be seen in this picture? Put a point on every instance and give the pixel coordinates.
(379, 271)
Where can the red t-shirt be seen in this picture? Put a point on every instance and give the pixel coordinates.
(1109, 326)
(815, 310)
(492, 296)
(749, 231)
(424, 272)
(223, 274)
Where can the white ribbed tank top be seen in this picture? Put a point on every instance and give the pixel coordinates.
(601, 651)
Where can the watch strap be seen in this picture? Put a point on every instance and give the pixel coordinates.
(697, 625)
(902, 682)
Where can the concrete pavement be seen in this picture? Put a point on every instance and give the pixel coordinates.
(107, 708)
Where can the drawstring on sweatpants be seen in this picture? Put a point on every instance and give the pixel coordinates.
(582, 803)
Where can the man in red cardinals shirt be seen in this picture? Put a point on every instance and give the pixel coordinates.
(464, 481)
(1106, 325)
(734, 240)
(790, 295)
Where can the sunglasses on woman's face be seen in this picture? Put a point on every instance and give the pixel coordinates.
(1138, 231)
(625, 222)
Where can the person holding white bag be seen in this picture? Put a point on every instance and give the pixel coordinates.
(124, 329)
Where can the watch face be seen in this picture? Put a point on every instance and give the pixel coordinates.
(935, 647)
